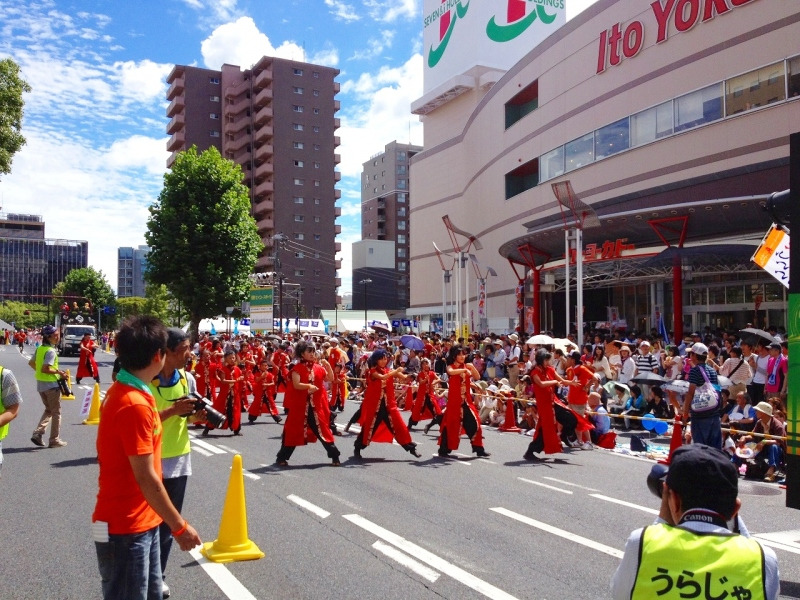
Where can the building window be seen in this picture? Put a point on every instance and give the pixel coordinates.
(299, 236)
(299, 181)
(299, 255)
(401, 252)
(213, 80)
(316, 219)
(297, 90)
(315, 74)
(316, 111)
(401, 197)
(612, 138)
(316, 183)
(551, 164)
(213, 133)
(317, 237)
(401, 183)
(299, 272)
(316, 200)
(401, 212)
(214, 98)
(297, 108)
(317, 272)
(316, 147)
(746, 92)
(299, 218)
(316, 165)
(316, 291)
(214, 116)
(375, 190)
(298, 145)
(401, 266)
(580, 152)
(523, 178)
(298, 163)
(794, 77)
(651, 124)
(297, 71)
(697, 108)
(523, 103)
(316, 93)
(401, 239)
(316, 129)
(402, 169)
(298, 200)
(297, 126)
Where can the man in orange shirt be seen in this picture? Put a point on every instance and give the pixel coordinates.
(132, 501)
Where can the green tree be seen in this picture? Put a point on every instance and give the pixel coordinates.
(11, 110)
(203, 241)
(131, 306)
(158, 303)
(84, 285)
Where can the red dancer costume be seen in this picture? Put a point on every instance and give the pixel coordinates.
(229, 400)
(460, 411)
(280, 358)
(308, 407)
(381, 420)
(263, 394)
(425, 404)
(87, 366)
(205, 374)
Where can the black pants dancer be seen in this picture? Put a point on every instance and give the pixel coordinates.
(470, 425)
(285, 453)
(382, 416)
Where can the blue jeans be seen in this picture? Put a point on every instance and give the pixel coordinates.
(176, 490)
(707, 431)
(130, 567)
(774, 454)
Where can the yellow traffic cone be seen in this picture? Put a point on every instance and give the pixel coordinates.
(94, 410)
(232, 543)
(68, 381)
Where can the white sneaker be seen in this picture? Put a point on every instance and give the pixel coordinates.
(587, 446)
(164, 589)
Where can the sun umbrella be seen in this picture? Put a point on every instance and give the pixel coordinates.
(540, 339)
(723, 381)
(412, 342)
(648, 378)
(380, 327)
(679, 386)
(610, 385)
(564, 344)
(760, 333)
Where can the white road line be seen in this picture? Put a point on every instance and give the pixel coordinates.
(347, 503)
(206, 446)
(782, 540)
(623, 503)
(406, 561)
(544, 485)
(219, 574)
(453, 459)
(250, 475)
(568, 535)
(320, 512)
(588, 489)
(227, 449)
(457, 573)
(201, 451)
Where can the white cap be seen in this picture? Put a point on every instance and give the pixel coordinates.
(700, 349)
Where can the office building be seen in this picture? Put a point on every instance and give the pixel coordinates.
(131, 264)
(277, 120)
(30, 264)
(385, 217)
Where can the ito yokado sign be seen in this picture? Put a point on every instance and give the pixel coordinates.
(461, 34)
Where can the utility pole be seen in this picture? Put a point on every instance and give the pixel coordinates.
(279, 240)
(299, 300)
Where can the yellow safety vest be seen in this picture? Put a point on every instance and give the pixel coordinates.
(675, 563)
(175, 435)
(4, 428)
(40, 352)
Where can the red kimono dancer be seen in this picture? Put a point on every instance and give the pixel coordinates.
(381, 420)
(263, 394)
(545, 436)
(460, 411)
(205, 374)
(280, 358)
(229, 401)
(87, 366)
(425, 405)
(305, 398)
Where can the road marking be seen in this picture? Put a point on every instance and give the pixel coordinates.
(457, 573)
(406, 561)
(347, 503)
(452, 458)
(250, 475)
(623, 503)
(588, 489)
(201, 451)
(219, 574)
(205, 445)
(568, 535)
(544, 485)
(783, 540)
(227, 449)
(320, 512)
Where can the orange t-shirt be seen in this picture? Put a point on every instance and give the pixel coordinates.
(129, 426)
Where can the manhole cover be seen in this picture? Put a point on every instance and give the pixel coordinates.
(752, 488)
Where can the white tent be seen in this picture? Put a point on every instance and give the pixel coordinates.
(220, 325)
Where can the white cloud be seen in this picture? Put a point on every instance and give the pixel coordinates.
(398, 9)
(241, 43)
(343, 10)
(138, 152)
(216, 11)
(327, 57)
(144, 81)
(375, 47)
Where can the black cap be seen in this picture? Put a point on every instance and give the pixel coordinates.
(704, 477)
(576, 356)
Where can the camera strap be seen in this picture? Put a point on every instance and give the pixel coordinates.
(704, 515)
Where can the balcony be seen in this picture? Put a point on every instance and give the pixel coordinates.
(263, 206)
(176, 142)
(268, 242)
(263, 188)
(263, 98)
(171, 159)
(177, 105)
(263, 79)
(337, 158)
(337, 106)
(381, 231)
(263, 115)
(236, 108)
(337, 122)
(263, 133)
(243, 159)
(263, 153)
(264, 262)
(337, 193)
(177, 87)
(264, 171)
(338, 264)
(337, 229)
(337, 211)
(235, 125)
(176, 123)
(337, 246)
(381, 218)
(338, 282)
(337, 176)
(235, 144)
(266, 224)
(337, 141)
(336, 87)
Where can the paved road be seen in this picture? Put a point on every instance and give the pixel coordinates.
(390, 526)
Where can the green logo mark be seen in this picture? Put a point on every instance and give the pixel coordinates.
(506, 33)
(435, 54)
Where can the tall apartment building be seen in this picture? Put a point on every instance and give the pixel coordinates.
(385, 215)
(131, 263)
(277, 120)
(30, 264)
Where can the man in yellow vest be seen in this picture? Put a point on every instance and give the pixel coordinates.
(171, 389)
(10, 399)
(698, 547)
(47, 373)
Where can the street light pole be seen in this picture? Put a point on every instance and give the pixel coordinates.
(365, 282)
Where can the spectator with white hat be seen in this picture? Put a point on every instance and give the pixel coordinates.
(772, 448)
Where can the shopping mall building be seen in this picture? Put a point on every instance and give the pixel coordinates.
(659, 130)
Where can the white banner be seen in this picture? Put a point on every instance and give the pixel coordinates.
(87, 403)
(773, 254)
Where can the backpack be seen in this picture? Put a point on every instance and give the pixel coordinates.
(706, 397)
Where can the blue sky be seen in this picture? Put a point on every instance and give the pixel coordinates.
(95, 121)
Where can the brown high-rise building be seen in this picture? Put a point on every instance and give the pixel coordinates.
(277, 120)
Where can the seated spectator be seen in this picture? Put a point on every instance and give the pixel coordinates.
(528, 421)
(634, 407)
(497, 415)
(601, 421)
(771, 449)
(657, 404)
(618, 396)
(487, 403)
(742, 417)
